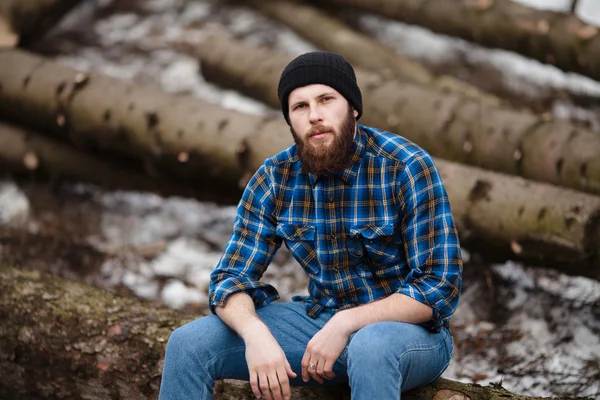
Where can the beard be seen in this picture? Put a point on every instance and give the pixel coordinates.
(319, 159)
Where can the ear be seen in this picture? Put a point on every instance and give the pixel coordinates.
(355, 113)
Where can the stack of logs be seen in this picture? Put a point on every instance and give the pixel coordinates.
(522, 186)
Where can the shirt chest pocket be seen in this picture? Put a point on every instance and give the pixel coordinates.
(300, 240)
(374, 248)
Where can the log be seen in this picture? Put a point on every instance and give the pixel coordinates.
(64, 339)
(447, 124)
(26, 152)
(330, 33)
(166, 134)
(145, 122)
(556, 38)
(23, 21)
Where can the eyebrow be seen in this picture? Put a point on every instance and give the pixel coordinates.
(318, 97)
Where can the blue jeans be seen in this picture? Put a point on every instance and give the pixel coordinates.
(379, 362)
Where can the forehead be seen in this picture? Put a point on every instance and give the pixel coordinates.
(310, 91)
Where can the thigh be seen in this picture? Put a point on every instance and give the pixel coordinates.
(222, 351)
(419, 354)
(293, 329)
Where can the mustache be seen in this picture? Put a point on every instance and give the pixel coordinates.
(315, 130)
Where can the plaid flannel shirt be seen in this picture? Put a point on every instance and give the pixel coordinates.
(381, 226)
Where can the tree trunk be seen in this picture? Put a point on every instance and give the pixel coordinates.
(363, 52)
(556, 38)
(63, 339)
(168, 134)
(29, 153)
(448, 125)
(145, 122)
(22, 21)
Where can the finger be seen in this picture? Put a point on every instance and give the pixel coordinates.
(254, 384)
(313, 373)
(320, 366)
(289, 370)
(328, 369)
(284, 383)
(263, 384)
(275, 386)
(305, 374)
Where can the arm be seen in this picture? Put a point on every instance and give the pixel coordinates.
(250, 248)
(431, 242)
(236, 290)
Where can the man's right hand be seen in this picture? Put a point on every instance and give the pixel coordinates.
(269, 368)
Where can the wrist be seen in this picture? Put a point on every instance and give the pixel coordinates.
(252, 328)
(343, 322)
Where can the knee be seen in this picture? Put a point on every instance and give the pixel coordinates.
(193, 338)
(370, 349)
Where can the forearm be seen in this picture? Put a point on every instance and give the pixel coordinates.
(239, 313)
(396, 307)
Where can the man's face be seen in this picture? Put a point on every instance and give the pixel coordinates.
(323, 125)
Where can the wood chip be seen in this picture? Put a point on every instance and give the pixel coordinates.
(447, 394)
(468, 146)
(587, 32)
(31, 161)
(183, 157)
(516, 247)
(543, 26)
(517, 155)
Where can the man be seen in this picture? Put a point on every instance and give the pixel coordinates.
(366, 215)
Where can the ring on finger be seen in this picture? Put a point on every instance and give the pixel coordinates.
(312, 366)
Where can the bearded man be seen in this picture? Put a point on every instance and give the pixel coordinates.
(366, 215)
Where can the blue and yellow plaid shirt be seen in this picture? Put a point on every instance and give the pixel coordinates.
(381, 226)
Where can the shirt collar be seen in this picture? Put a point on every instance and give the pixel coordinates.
(348, 174)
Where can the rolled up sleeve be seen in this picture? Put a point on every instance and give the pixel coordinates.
(431, 241)
(250, 249)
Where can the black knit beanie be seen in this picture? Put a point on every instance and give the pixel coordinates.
(322, 67)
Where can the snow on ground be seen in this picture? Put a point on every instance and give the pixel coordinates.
(165, 248)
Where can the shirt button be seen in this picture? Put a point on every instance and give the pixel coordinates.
(332, 236)
(330, 197)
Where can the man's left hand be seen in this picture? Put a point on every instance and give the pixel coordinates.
(324, 349)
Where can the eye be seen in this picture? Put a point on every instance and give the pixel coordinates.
(298, 106)
(327, 98)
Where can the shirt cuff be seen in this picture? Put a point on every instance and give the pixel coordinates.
(261, 293)
(436, 323)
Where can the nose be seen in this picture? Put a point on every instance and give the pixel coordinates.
(315, 114)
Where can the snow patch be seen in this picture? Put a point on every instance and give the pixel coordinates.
(14, 205)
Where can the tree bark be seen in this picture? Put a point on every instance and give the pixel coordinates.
(26, 152)
(334, 35)
(63, 339)
(168, 134)
(551, 37)
(145, 122)
(22, 21)
(448, 125)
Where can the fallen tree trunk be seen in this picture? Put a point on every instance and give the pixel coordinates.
(144, 122)
(22, 21)
(448, 125)
(168, 134)
(556, 38)
(334, 35)
(63, 339)
(25, 152)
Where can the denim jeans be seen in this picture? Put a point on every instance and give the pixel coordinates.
(379, 362)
